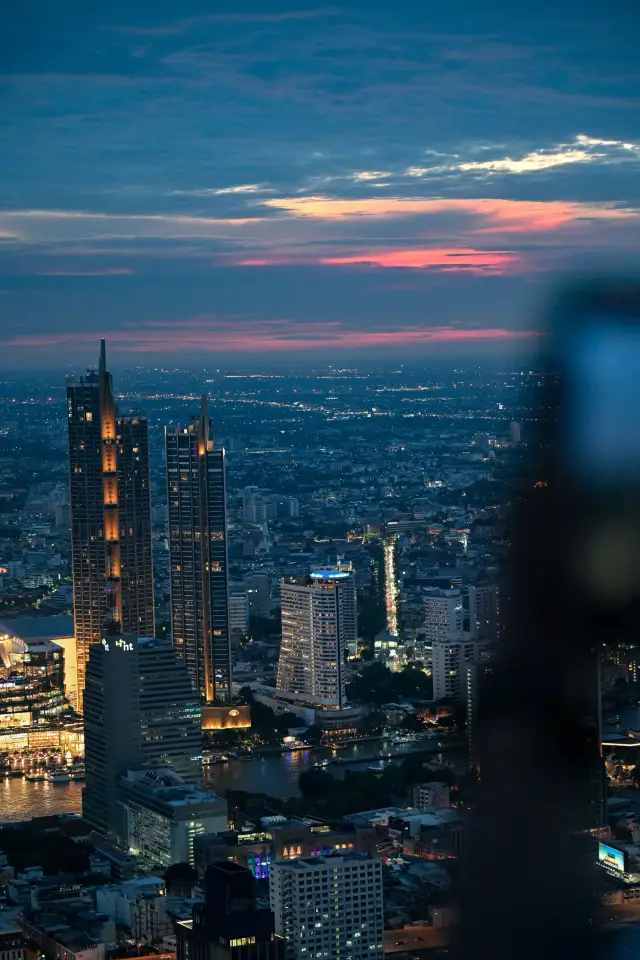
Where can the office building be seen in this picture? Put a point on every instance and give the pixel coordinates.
(163, 815)
(450, 660)
(140, 710)
(318, 621)
(329, 907)
(229, 925)
(196, 490)
(110, 516)
(478, 676)
(348, 603)
(239, 613)
(258, 505)
(20, 633)
(483, 609)
(31, 682)
(283, 840)
(444, 616)
(258, 590)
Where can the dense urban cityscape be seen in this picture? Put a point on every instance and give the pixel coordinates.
(245, 621)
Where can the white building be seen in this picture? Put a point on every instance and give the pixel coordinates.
(318, 620)
(117, 900)
(163, 815)
(329, 907)
(450, 660)
(444, 616)
(239, 613)
(348, 602)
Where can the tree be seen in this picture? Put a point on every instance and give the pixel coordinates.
(180, 878)
(373, 722)
(313, 734)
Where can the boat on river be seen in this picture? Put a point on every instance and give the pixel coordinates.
(57, 776)
(377, 766)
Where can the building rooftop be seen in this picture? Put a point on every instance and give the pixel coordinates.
(331, 860)
(38, 628)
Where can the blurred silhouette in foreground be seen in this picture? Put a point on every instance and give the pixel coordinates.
(532, 885)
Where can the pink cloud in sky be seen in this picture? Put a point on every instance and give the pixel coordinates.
(506, 215)
(224, 336)
(444, 258)
(494, 261)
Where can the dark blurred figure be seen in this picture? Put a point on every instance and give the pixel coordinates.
(533, 884)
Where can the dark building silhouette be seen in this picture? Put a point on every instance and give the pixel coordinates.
(110, 515)
(140, 710)
(196, 492)
(229, 924)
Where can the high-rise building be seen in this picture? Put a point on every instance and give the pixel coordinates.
(483, 610)
(348, 602)
(229, 925)
(318, 621)
(196, 488)
(443, 616)
(140, 710)
(478, 675)
(239, 613)
(329, 907)
(110, 516)
(450, 660)
(258, 589)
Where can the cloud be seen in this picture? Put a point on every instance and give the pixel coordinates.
(241, 188)
(364, 176)
(514, 215)
(495, 261)
(37, 226)
(448, 259)
(210, 333)
(186, 25)
(107, 272)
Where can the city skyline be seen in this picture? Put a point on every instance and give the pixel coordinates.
(331, 181)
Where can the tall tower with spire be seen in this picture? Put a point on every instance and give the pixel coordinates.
(110, 516)
(196, 493)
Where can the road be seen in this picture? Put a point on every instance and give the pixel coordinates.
(391, 585)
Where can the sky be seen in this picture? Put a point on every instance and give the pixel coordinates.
(277, 181)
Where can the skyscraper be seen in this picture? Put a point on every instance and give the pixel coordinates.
(196, 489)
(443, 615)
(139, 710)
(329, 906)
(110, 515)
(229, 925)
(317, 623)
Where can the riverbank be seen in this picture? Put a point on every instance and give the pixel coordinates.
(275, 774)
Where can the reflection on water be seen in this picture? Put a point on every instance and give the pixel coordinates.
(21, 800)
(276, 776)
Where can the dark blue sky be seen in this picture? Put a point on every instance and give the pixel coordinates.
(359, 179)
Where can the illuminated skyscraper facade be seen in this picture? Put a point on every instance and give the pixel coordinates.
(196, 493)
(110, 516)
(318, 621)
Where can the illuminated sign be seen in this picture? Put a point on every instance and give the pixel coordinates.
(610, 857)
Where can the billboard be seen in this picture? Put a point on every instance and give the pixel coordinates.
(610, 857)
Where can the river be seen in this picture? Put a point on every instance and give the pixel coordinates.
(275, 775)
